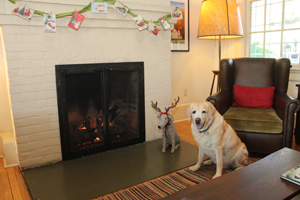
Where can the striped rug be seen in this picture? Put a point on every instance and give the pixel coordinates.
(163, 186)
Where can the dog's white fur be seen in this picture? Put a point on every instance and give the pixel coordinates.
(171, 137)
(215, 138)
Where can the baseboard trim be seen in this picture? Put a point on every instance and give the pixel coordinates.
(181, 120)
(11, 165)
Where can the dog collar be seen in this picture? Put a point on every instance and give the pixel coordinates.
(206, 130)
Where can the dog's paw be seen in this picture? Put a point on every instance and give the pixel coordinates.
(163, 150)
(239, 168)
(216, 176)
(194, 168)
(208, 162)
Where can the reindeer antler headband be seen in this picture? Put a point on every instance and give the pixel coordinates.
(154, 105)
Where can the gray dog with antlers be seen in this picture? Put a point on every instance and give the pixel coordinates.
(166, 123)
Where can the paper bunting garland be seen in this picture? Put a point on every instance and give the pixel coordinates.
(140, 22)
(164, 23)
(22, 11)
(76, 21)
(120, 8)
(50, 23)
(153, 28)
(97, 6)
(176, 15)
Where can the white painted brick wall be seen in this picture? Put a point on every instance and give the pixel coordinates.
(33, 54)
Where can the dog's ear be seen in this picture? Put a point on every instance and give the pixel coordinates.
(212, 108)
(189, 112)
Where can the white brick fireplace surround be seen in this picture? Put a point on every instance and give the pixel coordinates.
(33, 54)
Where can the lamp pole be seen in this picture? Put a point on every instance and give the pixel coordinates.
(219, 50)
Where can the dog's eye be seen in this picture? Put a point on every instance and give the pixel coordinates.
(194, 111)
(203, 111)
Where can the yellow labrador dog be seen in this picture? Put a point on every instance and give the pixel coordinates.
(215, 138)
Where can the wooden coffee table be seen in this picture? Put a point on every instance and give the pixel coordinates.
(260, 180)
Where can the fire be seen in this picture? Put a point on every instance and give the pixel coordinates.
(82, 127)
(97, 139)
(110, 124)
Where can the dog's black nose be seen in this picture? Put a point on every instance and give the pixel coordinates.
(198, 121)
(159, 127)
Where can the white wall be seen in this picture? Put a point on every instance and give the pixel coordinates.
(33, 54)
(5, 116)
(193, 70)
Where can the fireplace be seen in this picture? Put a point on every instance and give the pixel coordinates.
(100, 107)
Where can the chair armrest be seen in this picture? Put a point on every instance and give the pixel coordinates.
(221, 100)
(284, 105)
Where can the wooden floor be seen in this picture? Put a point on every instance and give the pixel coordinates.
(12, 185)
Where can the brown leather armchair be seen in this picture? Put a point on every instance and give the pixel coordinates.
(258, 72)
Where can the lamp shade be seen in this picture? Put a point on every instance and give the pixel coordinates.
(220, 18)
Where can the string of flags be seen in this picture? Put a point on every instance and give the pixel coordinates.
(100, 7)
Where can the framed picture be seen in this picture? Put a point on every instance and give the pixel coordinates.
(180, 35)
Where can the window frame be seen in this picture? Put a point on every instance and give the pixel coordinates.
(264, 31)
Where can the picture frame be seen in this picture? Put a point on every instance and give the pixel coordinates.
(180, 35)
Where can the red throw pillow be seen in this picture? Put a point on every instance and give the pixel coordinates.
(253, 97)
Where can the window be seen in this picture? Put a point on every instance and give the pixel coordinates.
(275, 29)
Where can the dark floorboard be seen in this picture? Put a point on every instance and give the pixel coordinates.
(99, 174)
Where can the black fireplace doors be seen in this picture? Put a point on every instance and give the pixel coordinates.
(100, 106)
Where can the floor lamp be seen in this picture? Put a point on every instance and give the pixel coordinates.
(219, 19)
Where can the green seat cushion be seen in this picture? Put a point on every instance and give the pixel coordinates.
(253, 120)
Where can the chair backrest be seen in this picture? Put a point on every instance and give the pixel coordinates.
(255, 72)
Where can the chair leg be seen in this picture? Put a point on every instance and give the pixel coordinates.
(212, 85)
(216, 73)
(297, 129)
